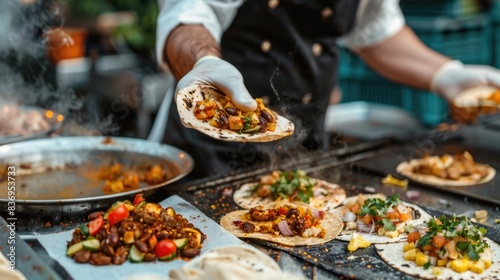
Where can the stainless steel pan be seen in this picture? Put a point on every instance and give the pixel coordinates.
(59, 174)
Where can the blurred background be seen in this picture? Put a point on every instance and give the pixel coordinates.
(93, 61)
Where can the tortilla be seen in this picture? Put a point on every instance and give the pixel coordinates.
(393, 254)
(244, 198)
(406, 169)
(186, 100)
(330, 222)
(475, 97)
(230, 262)
(374, 238)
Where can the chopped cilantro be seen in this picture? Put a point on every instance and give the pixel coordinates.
(388, 225)
(427, 265)
(293, 183)
(393, 200)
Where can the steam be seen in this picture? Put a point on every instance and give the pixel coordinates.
(26, 75)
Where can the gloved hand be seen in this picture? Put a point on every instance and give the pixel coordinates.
(211, 70)
(454, 77)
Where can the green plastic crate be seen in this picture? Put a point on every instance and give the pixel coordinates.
(465, 39)
(428, 108)
(453, 8)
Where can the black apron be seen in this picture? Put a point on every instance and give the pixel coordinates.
(287, 54)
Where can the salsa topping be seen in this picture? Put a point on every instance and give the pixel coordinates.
(141, 232)
(452, 242)
(385, 217)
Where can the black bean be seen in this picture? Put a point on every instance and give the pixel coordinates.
(263, 124)
(190, 252)
(232, 111)
(113, 239)
(141, 246)
(149, 257)
(108, 250)
(94, 215)
(82, 256)
(291, 212)
(146, 235)
(223, 121)
(267, 115)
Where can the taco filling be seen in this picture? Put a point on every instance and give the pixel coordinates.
(222, 113)
(454, 243)
(286, 220)
(375, 215)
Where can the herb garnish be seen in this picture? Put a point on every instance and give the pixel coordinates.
(457, 226)
(293, 184)
(377, 206)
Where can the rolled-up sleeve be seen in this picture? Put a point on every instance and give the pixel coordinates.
(376, 21)
(214, 15)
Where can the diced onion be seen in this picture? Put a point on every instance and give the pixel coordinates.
(362, 227)
(284, 228)
(318, 191)
(318, 214)
(433, 260)
(422, 229)
(349, 217)
(412, 195)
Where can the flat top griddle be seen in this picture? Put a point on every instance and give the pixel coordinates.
(482, 144)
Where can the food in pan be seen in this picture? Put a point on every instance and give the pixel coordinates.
(139, 232)
(293, 186)
(290, 224)
(378, 219)
(445, 248)
(447, 170)
(212, 113)
(120, 179)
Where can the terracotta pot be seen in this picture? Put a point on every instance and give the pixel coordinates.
(66, 43)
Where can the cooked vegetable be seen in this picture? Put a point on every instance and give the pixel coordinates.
(452, 242)
(357, 242)
(144, 232)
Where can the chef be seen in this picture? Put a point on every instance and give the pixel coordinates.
(285, 52)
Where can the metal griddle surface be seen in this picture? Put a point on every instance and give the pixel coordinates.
(386, 162)
(362, 264)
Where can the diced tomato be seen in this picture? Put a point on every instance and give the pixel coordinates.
(355, 208)
(138, 199)
(439, 241)
(282, 211)
(413, 237)
(394, 215)
(118, 214)
(404, 217)
(428, 247)
(95, 225)
(367, 219)
(165, 247)
(433, 253)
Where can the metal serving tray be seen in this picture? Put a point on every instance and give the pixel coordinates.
(368, 121)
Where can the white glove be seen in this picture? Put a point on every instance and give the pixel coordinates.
(454, 77)
(211, 70)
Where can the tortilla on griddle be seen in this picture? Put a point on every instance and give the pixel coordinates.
(393, 254)
(330, 222)
(374, 238)
(331, 196)
(406, 168)
(186, 103)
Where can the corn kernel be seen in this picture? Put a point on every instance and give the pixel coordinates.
(460, 265)
(442, 263)
(409, 246)
(478, 267)
(410, 255)
(421, 259)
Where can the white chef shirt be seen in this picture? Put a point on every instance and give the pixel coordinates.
(376, 20)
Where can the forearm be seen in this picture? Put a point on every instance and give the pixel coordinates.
(185, 45)
(403, 58)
